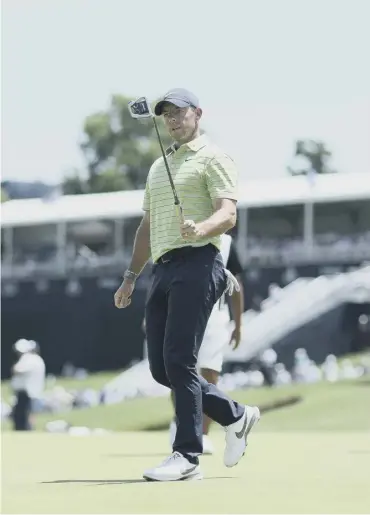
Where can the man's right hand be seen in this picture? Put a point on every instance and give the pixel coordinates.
(122, 297)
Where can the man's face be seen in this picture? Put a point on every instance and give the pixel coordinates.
(181, 122)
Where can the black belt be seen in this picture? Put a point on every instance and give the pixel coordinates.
(181, 252)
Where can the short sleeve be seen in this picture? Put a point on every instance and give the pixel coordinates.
(146, 201)
(222, 177)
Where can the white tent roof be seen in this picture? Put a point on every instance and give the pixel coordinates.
(72, 208)
(280, 191)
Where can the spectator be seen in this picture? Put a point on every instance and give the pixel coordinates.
(28, 382)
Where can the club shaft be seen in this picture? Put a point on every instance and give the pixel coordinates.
(177, 202)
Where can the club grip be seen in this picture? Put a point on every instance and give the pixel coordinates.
(181, 213)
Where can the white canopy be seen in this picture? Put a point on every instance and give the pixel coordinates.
(124, 204)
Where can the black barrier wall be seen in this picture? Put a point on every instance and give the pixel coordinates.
(75, 320)
(84, 328)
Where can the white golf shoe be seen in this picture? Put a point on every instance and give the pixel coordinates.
(237, 436)
(207, 444)
(174, 468)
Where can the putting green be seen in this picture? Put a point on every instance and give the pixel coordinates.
(293, 472)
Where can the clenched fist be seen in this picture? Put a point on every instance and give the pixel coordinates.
(122, 297)
(191, 231)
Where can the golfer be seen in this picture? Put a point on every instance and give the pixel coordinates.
(189, 278)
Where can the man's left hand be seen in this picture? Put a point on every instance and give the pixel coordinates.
(191, 231)
(235, 338)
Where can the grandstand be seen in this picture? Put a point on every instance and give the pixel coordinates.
(285, 221)
(63, 258)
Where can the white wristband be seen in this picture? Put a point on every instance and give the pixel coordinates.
(130, 275)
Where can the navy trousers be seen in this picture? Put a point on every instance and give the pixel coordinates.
(22, 412)
(187, 283)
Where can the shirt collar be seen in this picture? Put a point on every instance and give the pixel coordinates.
(197, 143)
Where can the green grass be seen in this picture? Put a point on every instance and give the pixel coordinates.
(339, 406)
(309, 457)
(323, 407)
(293, 472)
(98, 380)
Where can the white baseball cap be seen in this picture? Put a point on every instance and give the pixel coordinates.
(24, 345)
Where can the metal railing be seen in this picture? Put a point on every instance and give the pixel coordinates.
(252, 255)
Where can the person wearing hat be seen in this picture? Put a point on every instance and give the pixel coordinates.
(189, 278)
(28, 380)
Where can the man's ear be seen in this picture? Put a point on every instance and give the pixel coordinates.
(198, 113)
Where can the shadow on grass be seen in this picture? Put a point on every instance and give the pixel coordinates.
(282, 403)
(102, 482)
(137, 455)
(96, 482)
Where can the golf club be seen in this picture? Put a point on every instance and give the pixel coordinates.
(140, 108)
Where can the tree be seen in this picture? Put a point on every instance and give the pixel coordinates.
(4, 196)
(73, 184)
(118, 149)
(310, 156)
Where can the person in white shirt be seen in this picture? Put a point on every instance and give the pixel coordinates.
(28, 382)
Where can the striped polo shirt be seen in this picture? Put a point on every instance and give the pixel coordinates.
(201, 172)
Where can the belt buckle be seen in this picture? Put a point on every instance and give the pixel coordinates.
(162, 260)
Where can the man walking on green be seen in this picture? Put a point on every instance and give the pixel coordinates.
(189, 278)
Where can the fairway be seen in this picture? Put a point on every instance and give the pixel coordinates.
(320, 408)
(281, 473)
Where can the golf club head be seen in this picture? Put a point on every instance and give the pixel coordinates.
(140, 108)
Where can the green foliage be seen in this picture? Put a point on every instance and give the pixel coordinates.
(4, 196)
(312, 156)
(73, 184)
(118, 150)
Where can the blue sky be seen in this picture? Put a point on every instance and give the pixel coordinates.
(266, 72)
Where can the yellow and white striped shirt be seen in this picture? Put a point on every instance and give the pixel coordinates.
(201, 173)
